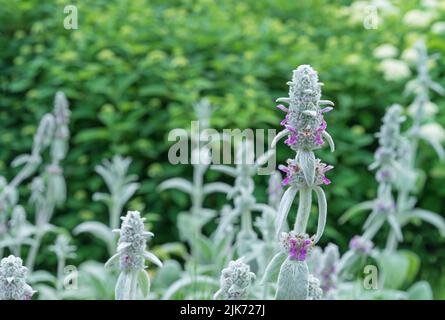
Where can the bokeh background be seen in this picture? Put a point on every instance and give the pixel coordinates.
(134, 68)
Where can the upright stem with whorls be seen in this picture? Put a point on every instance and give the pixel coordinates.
(304, 210)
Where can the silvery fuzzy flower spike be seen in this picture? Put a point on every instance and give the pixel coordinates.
(58, 149)
(235, 281)
(304, 122)
(395, 160)
(421, 87)
(13, 284)
(305, 129)
(30, 163)
(386, 161)
(131, 255)
(50, 183)
(397, 176)
(122, 186)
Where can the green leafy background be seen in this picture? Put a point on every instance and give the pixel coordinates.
(134, 68)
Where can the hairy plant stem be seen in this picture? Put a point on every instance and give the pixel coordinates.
(197, 197)
(60, 267)
(116, 212)
(32, 255)
(246, 221)
(42, 219)
(391, 242)
(403, 193)
(304, 210)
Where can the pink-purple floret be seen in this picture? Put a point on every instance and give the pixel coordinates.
(293, 137)
(293, 168)
(360, 244)
(299, 253)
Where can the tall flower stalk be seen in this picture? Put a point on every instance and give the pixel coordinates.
(305, 128)
(242, 195)
(122, 186)
(49, 189)
(398, 178)
(63, 251)
(190, 223)
(9, 196)
(395, 162)
(131, 255)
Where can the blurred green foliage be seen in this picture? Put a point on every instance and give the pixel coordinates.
(134, 68)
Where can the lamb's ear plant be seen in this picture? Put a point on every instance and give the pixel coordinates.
(199, 281)
(208, 254)
(13, 284)
(64, 251)
(398, 178)
(243, 198)
(190, 223)
(48, 189)
(52, 287)
(305, 129)
(29, 163)
(324, 266)
(235, 281)
(131, 255)
(122, 187)
(19, 232)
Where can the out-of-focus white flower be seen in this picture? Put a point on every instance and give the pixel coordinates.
(385, 51)
(430, 3)
(430, 109)
(358, 10)
(409, 55)
(394, 70)
(433, 130)
(438, 27)
(418, 18)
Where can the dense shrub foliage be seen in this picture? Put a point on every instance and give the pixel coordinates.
(134, 68)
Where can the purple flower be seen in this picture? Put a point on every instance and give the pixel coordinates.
(283, 108)
(293, 248)
(285, 181)
(318, 139)
(285, 169)
(291, 129)
(320, 130)
(327, 109)
(289, 170)
(296, 245)
(326, 180)
(291, 140)
(361, 244)
(322, 168)
(299, 250)
(285, 120)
